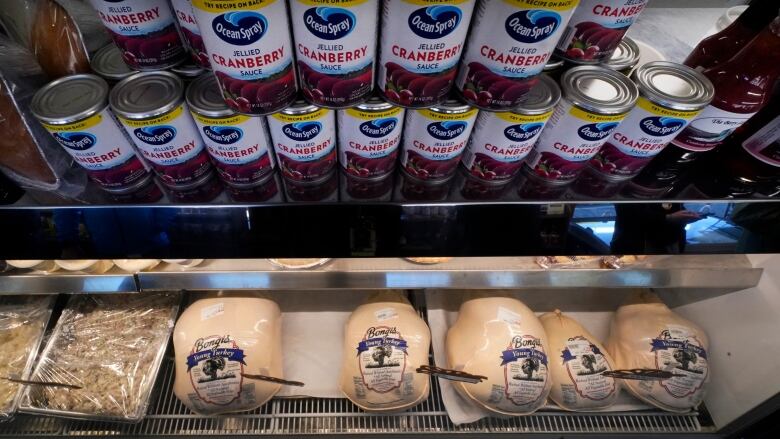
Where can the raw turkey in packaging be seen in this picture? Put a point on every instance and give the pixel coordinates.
(385, 341)
(646, 334)
(500, 338)
(577, 361)
(103, 357)
(28, 154)
(219, 341)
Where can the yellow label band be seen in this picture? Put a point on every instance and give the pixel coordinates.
(225, 121)
(433, 115)
(434, 2)
(645, 104)
(156, 121)
(289, 118)
(78, 126)
(331, 2)
(555, 5)
(520, 118)
(593, 117)
(230, 5)
(369, 115)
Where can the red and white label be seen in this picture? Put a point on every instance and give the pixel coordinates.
(710, 129)
(765, 143)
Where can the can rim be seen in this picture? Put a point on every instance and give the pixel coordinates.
(320, 180)
(195, 98)
(188, 69)
(259, 182)
(300, 106)
(468, 176)
(373, 179)
(702, 91)
(437, 182)
(102, 56)
(127, 85)
(200, 181)
(451, 105)
(100, 101)
(374, 103)
(624, 92)
(542, 106)
(628, 55)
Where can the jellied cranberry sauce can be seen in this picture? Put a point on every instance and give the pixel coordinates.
(595, 101)
(74, 109)
(250, 50)
(335, 42)
(152, 110)
(509, 45)
(671, 96)
(304, 139)
(421, 45)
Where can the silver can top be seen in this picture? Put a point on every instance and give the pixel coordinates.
(674, 86)
(108, 63)
(542, 97)
(188, 70)
(599, 90)
(451, 105)
(146, 95)
(554, 64)
(374, 103)
(625, 56)
(204, 97)
(70, 99)
(300, 107)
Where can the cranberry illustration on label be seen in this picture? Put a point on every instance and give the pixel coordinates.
(191, 32)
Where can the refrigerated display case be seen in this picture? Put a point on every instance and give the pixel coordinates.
(715, 262)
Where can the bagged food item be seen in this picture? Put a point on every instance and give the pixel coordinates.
(23, 321)
(577, 363)
(28, 154)
(500, 338)
(15, 19)
(103, 356)
(385, 341)
(221, 341)
(646, 334)
(63, 35)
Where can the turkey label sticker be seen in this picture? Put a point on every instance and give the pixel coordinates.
(382, 358)
(216, 365)
(585, 363)
(678, 351)
(525, 370)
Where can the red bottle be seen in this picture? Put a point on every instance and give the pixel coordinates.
(723, 45)
(743, 86)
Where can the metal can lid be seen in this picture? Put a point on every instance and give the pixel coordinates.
(374, 103)
(452, 105)
(299, 107)
(204, 97)
(70, 99)
(599, 90)
(555, 63)
(108, 63)
(625, 56)
(674, 86)
(542, 97)
(146, 95)
(188, 70)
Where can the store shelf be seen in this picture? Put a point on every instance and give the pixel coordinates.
(335, 416)
(54, 283)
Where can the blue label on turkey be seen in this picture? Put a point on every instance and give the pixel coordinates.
(381, 357)
(585, 364)
(678, 350)
(525, 370)
(216, 365)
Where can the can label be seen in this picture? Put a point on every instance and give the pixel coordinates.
(500, 143)
(419, 62)
(239, 146)
(172, 145)
(305, 143)
(369, 140)
(765, 143)
(99, 146)
(250, 51)
(646, 131)
(596, 28)
(189, 29)
(510, 40)
(573, 136)
(336, 44)
(434, 142)
(710, 129)
(144, 30)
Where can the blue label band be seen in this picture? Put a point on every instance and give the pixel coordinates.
(226, 353)
(380, 341)
(511, 355)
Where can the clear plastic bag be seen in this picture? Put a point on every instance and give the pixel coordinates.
(111, 348)
(23, 320)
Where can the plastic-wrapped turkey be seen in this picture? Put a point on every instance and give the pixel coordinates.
(502, 339)
(219, 340)
(646, 334)
(577, 362)
(385, 341)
